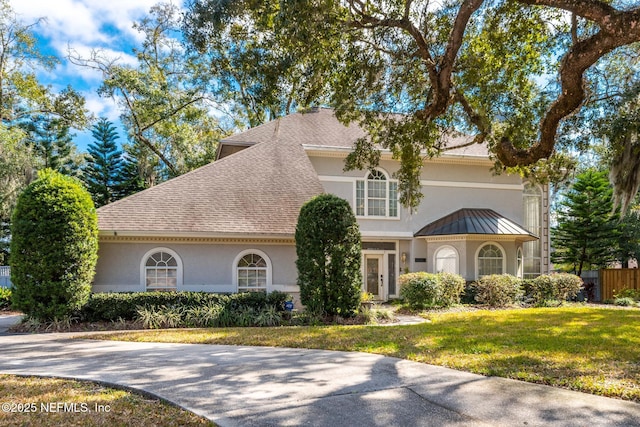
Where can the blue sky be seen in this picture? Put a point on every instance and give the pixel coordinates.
(84, 25)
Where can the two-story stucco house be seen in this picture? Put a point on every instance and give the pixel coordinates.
(229, 226)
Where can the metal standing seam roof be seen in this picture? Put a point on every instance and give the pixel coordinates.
(475, 221)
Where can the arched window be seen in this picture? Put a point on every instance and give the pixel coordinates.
(532, 214)
(490, 260)
(252, 271)
(161, 270)
(377, 195)
(446, 260)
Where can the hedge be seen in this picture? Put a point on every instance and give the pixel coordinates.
(124, 305)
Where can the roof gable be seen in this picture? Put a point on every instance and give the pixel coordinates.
(256, 191)
(319, 127)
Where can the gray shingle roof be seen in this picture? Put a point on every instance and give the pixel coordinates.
(474, 221)
(256, 191)
(320, 127)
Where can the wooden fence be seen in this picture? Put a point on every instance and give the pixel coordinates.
(617, 279)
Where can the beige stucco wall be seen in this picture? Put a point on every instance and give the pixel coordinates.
(447, 188)
(206, 267)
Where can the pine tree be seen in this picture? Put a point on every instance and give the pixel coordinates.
(587, 233)
(52, 145)
(102, 174)
(131, 180)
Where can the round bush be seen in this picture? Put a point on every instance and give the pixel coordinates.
(420, 289)
(54, 247)
(554, 287)
(329, 251)
(452, 286)
(498, 290)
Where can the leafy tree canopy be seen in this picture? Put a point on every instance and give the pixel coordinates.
(510, 73)
(163, 103)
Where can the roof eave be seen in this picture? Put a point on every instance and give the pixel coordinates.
(386, 154)
(476, 237)
(191, 234)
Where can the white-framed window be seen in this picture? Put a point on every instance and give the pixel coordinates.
(446, 260)
(490, 259)
(532, 214)
(377, 195)
(161, 270)
(519, 264)
(252, 271)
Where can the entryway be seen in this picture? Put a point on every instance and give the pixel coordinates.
(379, 269)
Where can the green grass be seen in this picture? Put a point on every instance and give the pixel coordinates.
(34, 402)
(593, 350)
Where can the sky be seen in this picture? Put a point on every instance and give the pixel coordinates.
(83, 25)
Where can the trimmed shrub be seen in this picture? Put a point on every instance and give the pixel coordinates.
(114, 306)
(553, 287)
(498, 290)
(329, 251)
(452, 286)
(567, 285)
(420, 289)
(54, 247)
(5, 298)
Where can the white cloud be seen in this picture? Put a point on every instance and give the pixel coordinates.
(102, 107)
(85, 26)
(94, 22)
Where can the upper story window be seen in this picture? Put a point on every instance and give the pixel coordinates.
(377, 195)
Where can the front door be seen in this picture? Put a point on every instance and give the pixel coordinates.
(374, 277)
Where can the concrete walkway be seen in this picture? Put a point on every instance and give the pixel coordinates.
(7, 321)
(262, 386)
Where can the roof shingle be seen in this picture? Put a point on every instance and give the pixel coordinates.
(256, 191)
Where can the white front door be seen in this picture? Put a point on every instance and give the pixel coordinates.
(374, 275)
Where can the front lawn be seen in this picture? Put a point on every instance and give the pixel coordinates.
(594, 350)
(56, 402)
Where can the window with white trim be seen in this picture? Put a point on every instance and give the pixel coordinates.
(519, 266)
(252, 273)
(446, 260)
(377, 195)
(161, 272)
(490, 260)
(532, 212)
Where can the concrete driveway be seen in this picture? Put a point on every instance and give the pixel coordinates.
(262, 386)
